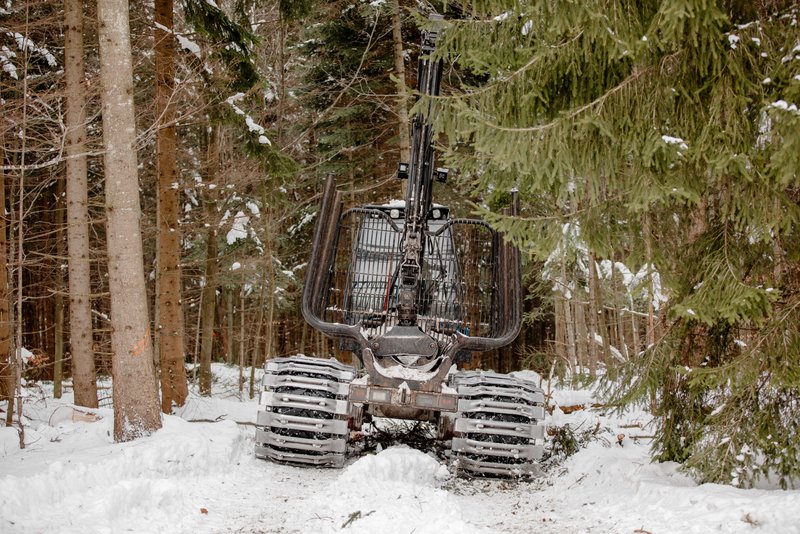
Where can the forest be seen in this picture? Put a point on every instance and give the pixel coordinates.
(162, 164)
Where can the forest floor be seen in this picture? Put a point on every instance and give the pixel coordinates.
(201, 477)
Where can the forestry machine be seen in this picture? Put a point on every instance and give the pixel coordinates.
(411, 291)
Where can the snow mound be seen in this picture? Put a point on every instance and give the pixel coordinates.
(395, 490)
(397, 464)
(117, 487)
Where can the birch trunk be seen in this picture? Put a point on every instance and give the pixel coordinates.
(84, 377)
(136, 406)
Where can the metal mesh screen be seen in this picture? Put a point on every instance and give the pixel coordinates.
(458, 275)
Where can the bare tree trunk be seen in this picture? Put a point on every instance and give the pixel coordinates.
(598, 321)
(229, 321)
(271, 279)
(6, 364)
(569, 319)
(257, 343)
(634, 331)
(561, 331)
(210, 288)
(170, 307)
(303, 337)
(778, 253)
(241, 341)
(581, 335)
(20, 251)
(209, 312)
(136, 406)
(196, 351)
(651, 322)
(58, 335)
(592, 322)
(84, 377)
(619, 322)
(400, 72)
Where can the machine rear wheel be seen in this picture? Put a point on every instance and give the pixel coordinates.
(499, 428)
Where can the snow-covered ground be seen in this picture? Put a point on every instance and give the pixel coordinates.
(202, 477)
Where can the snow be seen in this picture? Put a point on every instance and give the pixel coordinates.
(670, 140)
(202, 477)
(238, 228)
(25, 44)
(785, 106)
(252, 126)
(6, 56)
(527, 27)
(25, 354)
(307, 217)
(189, 45)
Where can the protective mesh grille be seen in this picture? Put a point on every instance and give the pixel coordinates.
(458, 275)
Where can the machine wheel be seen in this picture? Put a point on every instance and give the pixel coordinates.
(499, 428)
(304, 416)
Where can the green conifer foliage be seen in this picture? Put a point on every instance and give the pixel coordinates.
(234, 41)
(603, 112)
(348, 85)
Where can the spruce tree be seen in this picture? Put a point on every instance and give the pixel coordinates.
(675, 126)
(350, 92)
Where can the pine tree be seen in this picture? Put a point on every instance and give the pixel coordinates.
(676, 122)
(351, 58)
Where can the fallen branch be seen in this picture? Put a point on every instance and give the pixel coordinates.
(218, 419)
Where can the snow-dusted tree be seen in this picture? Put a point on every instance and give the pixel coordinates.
(676, 124)
(136, 406)
(80, 305)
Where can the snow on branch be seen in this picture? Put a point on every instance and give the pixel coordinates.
(252, 125)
